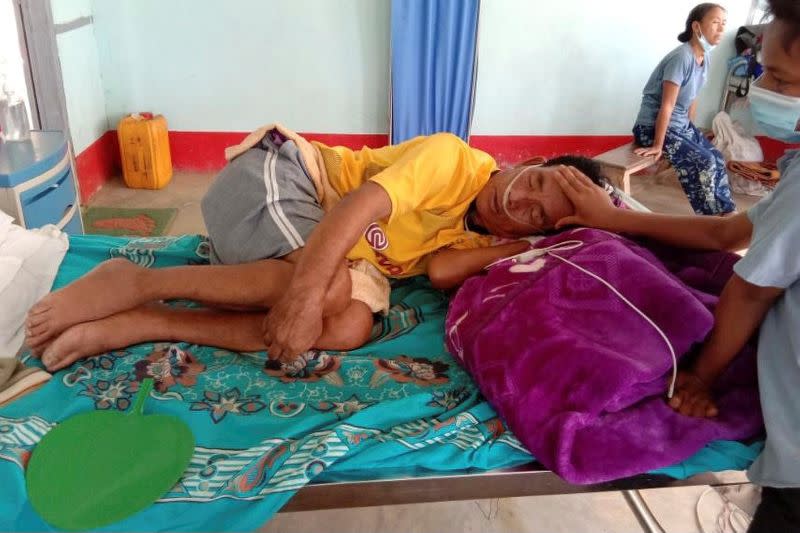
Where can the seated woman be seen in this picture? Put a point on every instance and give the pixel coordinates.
(665, 122)
(763, 296)
(400, 204)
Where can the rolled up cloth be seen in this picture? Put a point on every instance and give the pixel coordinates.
(762, 172)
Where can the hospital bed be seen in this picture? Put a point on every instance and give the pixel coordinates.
(530, 479)
(397, 421)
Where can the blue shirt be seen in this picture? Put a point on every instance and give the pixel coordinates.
(681, 68)
(773, 260)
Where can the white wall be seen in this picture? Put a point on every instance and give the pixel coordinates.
(545, 68)
(80, 69)
(214, 65)
(579, 66)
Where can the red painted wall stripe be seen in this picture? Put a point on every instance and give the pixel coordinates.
(203, 151)
(510, 149)
(774, 149)
(97, 164)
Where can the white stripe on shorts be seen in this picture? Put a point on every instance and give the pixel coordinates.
(273, 204)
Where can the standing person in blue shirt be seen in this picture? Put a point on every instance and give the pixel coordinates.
(763, 292)
(665, 122)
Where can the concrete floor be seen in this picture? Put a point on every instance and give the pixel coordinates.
(675, 509)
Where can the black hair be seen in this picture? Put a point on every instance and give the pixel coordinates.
(789, 12)
(697, 15)
(590, 167)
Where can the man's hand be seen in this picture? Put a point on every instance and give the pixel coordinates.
(655, 151)
(692, 397)
(292, 326)
(592, 204)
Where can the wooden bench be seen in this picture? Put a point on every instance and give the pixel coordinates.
(618, 165)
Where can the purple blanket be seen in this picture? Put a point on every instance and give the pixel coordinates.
(579, 376)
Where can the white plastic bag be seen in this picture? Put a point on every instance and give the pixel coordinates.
(731, 139)
(742, 185)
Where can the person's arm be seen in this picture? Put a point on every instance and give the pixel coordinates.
(449, 268)
(741, 309)
(698, 232)
(669, 95)
(295, 322)
(593, 208)
(693, 111)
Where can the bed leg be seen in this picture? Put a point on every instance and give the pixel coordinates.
(642, 513)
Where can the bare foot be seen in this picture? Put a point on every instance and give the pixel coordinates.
(70, 346)
(94, 338)
(40, 348)
(113, 286)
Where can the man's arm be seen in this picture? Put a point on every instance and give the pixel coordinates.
(295, 322)
(593, 208)
(450, 268)
(741, 309)
(693, 111)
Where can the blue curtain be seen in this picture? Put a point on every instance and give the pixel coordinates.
(434, 56)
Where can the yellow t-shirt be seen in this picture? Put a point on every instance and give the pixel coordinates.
(431, 182)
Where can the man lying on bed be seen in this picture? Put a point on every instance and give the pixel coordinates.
(404, 210)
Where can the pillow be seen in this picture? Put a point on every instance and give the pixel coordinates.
(29, 261)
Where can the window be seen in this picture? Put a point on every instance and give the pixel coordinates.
(758, 13)
(12, 68)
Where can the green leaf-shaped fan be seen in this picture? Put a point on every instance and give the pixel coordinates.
(97, 468)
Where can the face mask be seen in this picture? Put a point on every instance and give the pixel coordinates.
(707, 46)
(777, 115)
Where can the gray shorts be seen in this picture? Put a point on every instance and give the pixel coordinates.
(263, 205)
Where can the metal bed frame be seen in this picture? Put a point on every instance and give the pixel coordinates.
(393, 488)
(396, 487)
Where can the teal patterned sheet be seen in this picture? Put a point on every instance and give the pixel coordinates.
(264, 430)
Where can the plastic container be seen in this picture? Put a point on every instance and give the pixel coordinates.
(14, 122)
(144, 151)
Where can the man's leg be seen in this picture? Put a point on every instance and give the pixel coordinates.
(118, 285)
(232, 330)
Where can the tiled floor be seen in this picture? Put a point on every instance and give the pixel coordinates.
(601, 512)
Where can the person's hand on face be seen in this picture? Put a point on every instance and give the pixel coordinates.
(522, 202)
(591, 202)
